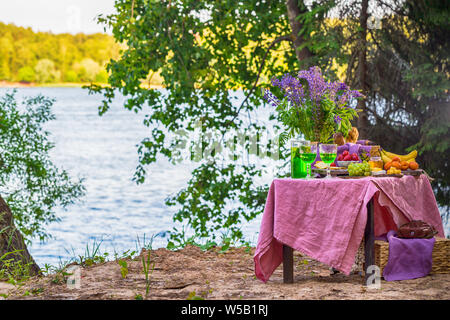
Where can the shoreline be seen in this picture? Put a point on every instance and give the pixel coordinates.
(16, 85)
(191, 273)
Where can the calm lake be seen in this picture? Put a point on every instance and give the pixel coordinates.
(103, 150)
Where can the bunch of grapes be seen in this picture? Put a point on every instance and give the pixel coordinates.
(359, 169)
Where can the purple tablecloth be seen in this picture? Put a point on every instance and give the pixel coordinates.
(325, 218)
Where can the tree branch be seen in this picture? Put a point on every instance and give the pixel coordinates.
(252, 89)
(293, 11)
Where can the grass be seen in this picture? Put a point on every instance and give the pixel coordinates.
(92, 255)
(16, 272)
(123, 268)
(147, 263)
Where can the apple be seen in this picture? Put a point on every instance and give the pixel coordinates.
(340, 157)
(348, 158)
(355, 157)
(345, 153)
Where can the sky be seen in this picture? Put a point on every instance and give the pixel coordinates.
(57, 16)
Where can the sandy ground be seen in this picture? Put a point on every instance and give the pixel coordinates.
(193, 273)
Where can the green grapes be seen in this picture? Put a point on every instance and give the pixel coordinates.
(359, 169)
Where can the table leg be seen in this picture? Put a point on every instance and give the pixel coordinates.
(369, 240)
(288, 264)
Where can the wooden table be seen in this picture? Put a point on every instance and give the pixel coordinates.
(369, 249)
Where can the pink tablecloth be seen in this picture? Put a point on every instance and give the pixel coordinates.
(325, 218)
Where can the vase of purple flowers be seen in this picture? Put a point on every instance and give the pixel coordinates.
(312, 106)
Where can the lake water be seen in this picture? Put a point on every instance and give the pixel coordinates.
(103, 150)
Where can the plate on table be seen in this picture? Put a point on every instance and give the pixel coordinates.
(333, 172)
(389, 175)
(352, 177)
(338, 168)
(345, 163)
(410, 172)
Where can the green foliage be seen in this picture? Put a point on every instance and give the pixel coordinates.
(199, 59)
(101, 77)
(123, 268)
(298, 121)
(316, 113)
(407, 77)
(92, 254)
(147, 264)
(29, 182)
(204, 201)
(193, 296)
(202, 49)
(22, 50)
(14, 270)
(6, 53)
(26, 74)
(416, 96)
(87, 70)
(46, 72)
(71, 76)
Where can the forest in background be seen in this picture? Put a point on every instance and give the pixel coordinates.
(46, 58)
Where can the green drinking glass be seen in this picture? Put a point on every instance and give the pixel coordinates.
(309, 156)
(298, 167)
(328, 154)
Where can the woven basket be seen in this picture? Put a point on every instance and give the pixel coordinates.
(441, 255)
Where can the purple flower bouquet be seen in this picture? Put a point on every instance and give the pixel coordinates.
(313, 107)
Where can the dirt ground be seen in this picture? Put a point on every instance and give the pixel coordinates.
(191, 273)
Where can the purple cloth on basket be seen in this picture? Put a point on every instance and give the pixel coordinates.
(408, 258)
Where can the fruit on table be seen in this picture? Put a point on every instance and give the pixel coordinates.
(413, 165)
(346, 156)
(389, 156)
(320, 165)
(395, 164)
(385, 158)
(359, 169)
(394, 170)
(400, 162)
(407, 157)
(404, 165)
(387, 165)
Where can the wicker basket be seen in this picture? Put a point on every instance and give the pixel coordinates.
(441, 255)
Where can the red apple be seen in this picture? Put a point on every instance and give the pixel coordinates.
(348, 158)
(345, 153)
(340, 157)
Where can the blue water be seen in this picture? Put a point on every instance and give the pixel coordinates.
(103, 150)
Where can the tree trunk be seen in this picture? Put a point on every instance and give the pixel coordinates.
(363, 121)
(12, 244)
(293, 11)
